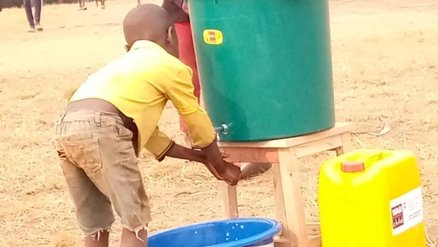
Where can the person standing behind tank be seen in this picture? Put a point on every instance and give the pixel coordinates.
(33, 19)
(178, 11)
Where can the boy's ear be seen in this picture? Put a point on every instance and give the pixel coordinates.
(171, 35)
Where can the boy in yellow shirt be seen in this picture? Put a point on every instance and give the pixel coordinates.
(115, 113)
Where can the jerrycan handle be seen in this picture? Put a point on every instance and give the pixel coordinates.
(373, 157)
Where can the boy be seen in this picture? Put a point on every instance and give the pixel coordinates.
(115, 113)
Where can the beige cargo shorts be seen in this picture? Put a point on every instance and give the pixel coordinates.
(101, 170)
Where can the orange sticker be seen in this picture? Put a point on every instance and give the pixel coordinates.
(213, 37)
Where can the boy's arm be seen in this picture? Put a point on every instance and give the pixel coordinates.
(180, 92)
(161, 146)
(211, 158)
(181, 152)
(200, 128)
(182, 4)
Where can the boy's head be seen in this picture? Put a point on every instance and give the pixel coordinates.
(150, 22)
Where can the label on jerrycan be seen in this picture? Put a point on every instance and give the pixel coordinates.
(406, 211)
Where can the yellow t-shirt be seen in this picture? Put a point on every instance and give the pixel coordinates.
(139, 85)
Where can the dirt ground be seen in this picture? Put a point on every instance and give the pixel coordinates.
(385, 63)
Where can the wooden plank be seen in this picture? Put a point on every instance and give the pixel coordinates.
(250, 154)
(316, 146)
(293, 200)
(346, 141)
(339, 128)
(315, 242)
(228, 194)
(346, 144)
(313, 229)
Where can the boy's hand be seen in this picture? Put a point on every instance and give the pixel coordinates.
(214, 171)
(226, 171)
(231, 173)
(212, 159)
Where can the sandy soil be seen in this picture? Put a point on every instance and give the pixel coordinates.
(385, 62)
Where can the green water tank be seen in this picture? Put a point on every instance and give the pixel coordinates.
(265, 66)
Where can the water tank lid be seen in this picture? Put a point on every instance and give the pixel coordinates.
(352, 166)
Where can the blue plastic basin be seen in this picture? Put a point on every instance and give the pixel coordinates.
(241, 232)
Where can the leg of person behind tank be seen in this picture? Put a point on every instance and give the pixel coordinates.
(27, 4)
(37, 17)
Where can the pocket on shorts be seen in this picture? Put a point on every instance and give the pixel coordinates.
(123, 133)
(84, 153)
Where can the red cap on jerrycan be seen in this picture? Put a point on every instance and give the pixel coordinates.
(352, 166)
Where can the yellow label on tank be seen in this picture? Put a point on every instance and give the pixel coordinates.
(213, 37)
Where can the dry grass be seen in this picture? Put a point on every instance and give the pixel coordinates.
(385, 58)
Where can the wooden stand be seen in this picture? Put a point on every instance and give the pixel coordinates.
(284, 155)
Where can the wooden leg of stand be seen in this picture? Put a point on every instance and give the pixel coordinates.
(339, 150)
(293, 199)
(346, 142)
(228, 194)
(279, 201)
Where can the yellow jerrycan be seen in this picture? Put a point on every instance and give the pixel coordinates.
(370, 198)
